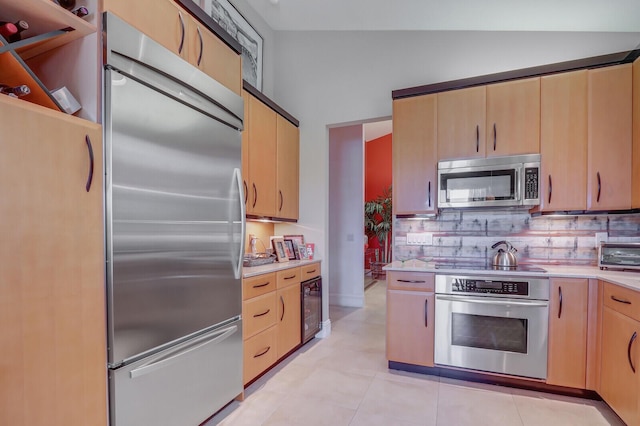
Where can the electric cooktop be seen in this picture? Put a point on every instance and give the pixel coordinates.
(487, 267)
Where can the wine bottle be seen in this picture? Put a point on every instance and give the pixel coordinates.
(67, 4)
(13, 31)
(81, 11)
(15, 91)
(8, 30)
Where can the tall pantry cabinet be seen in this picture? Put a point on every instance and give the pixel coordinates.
(52, 302)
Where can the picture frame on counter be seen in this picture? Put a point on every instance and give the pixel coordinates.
(291, 251)
(303, 252)
(280, 249)
(230, 20)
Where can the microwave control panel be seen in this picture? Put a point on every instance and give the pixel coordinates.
(531, 183)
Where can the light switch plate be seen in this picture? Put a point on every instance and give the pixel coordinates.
(419, 239)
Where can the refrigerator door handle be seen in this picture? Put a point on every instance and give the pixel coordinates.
(237, 271)
(173, 356)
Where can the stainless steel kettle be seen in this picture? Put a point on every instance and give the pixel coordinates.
(505, 259)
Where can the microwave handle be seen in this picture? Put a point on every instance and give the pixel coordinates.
(518, 183)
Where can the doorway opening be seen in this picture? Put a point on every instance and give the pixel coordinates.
(346, 230)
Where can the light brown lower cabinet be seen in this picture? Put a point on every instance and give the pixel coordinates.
(568, 314)
(410, 318)
(52, 297)
(271, 316)
(619, 380)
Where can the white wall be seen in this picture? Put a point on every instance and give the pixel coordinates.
(325, 78)
(346, 228)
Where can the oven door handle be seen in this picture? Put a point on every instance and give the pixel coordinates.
(493, 301)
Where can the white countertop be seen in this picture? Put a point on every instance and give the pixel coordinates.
(626, 279)
(252, 271)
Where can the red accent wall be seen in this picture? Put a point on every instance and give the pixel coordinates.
(377, 166)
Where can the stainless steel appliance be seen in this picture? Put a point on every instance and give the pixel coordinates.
(619, 256)
(174, 234)
(505, 259)
(311, 303)
(492, 323)
(486, 182)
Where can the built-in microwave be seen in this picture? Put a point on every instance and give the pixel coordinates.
(486, 182)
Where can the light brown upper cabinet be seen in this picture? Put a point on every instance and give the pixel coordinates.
(270, 161)
(513, 118)
(461, 123)
(563, 141)
(415, 155)
(260, 124)
(635, 199)
(288, 153)
(609, 138)
(174, 28)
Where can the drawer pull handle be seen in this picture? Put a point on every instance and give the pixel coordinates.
(262, 314)
(90, 149)
(412, 281)
(264, 351)
(290, 277)
(311, 272)
(282, 301)
(261, 285)
(426, 313)
(633, 338)
(560, 305)
(626, 302)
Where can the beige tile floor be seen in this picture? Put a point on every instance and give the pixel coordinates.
(344, 380)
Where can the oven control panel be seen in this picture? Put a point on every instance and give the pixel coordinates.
(465, 285)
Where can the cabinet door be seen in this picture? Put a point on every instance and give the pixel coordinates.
(619, 384)
(568, 311)
(461, 123)
(213, 57)
(563, 141)
(414, 155)
(288, 152)
(261, 125)
(288, 331)
(162, 20)
(636, 135)
(52, 300)
(610, 139)
(410, 327)
(513, 117)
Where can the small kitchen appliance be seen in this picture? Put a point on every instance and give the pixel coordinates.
(619, 256)
(505, 259)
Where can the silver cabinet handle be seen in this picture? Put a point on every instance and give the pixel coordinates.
(426, 313)
(282, 301)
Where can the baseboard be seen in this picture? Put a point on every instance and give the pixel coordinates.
(325, 331)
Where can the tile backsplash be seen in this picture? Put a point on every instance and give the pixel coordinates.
(467, 235)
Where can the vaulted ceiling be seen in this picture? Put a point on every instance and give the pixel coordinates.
(439, 15)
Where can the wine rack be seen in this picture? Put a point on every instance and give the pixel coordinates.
(50, 26)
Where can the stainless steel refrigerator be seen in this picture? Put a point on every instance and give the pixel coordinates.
(174, 216)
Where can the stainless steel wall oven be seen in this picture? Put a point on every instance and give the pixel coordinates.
(492, 323)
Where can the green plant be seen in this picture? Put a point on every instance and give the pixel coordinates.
(378, 218)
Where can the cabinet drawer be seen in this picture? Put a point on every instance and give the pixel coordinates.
(417, 281)
(259, 353)
(623, 300)
(258, 314)
(287, 277)
(258, 285)
(309, 271)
